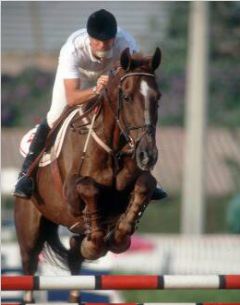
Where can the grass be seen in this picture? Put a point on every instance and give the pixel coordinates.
(164, 217)
(182, 296)
(161, 217)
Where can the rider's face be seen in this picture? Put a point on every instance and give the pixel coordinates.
(100, 48)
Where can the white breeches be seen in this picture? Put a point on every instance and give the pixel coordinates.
(59, 100)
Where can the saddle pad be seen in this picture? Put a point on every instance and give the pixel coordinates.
(26, 141)
(47, 158)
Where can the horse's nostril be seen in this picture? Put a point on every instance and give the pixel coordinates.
(145, 159)
(141, 155)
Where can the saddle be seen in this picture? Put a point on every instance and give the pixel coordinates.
(55, 139)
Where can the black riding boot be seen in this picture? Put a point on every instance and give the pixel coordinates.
(25, 185)
(158, 194)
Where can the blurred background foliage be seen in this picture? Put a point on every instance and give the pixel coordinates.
(224, 69)
(26, 97)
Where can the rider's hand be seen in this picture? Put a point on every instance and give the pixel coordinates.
(102, 83)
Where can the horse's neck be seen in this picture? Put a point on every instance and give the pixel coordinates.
(110, 126)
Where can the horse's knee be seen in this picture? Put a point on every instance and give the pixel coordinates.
(88, 190)
(141, 189)
(145, 185)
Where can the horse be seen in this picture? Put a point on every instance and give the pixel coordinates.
(105, 168)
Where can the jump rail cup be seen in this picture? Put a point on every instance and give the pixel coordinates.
(121, 282)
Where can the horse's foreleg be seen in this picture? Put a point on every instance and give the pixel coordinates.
(75, 203)
(93, 244)
(75, 260)
(126, 225)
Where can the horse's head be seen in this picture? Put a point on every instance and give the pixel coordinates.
(137, 106)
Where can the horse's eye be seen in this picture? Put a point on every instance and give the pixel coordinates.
(127, 98)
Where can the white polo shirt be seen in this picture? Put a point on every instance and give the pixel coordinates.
(77, 61)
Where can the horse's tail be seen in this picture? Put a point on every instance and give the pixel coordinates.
(54, 251)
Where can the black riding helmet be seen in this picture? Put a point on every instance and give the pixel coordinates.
(102, 25)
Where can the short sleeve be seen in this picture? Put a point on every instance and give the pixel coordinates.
(68, 62)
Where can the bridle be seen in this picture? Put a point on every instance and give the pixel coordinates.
(125, 130)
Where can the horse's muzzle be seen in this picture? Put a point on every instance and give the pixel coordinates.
(146, 153)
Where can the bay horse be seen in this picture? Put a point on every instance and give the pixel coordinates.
(106, 180)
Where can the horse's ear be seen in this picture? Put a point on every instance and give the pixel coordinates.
(125, 59)
(156, 59)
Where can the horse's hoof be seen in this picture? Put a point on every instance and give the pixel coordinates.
(92, 251)
(120, 246)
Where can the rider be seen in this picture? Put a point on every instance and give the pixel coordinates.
(84, 61)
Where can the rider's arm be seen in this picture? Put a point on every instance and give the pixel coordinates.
(69, 70)
(76, 96)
